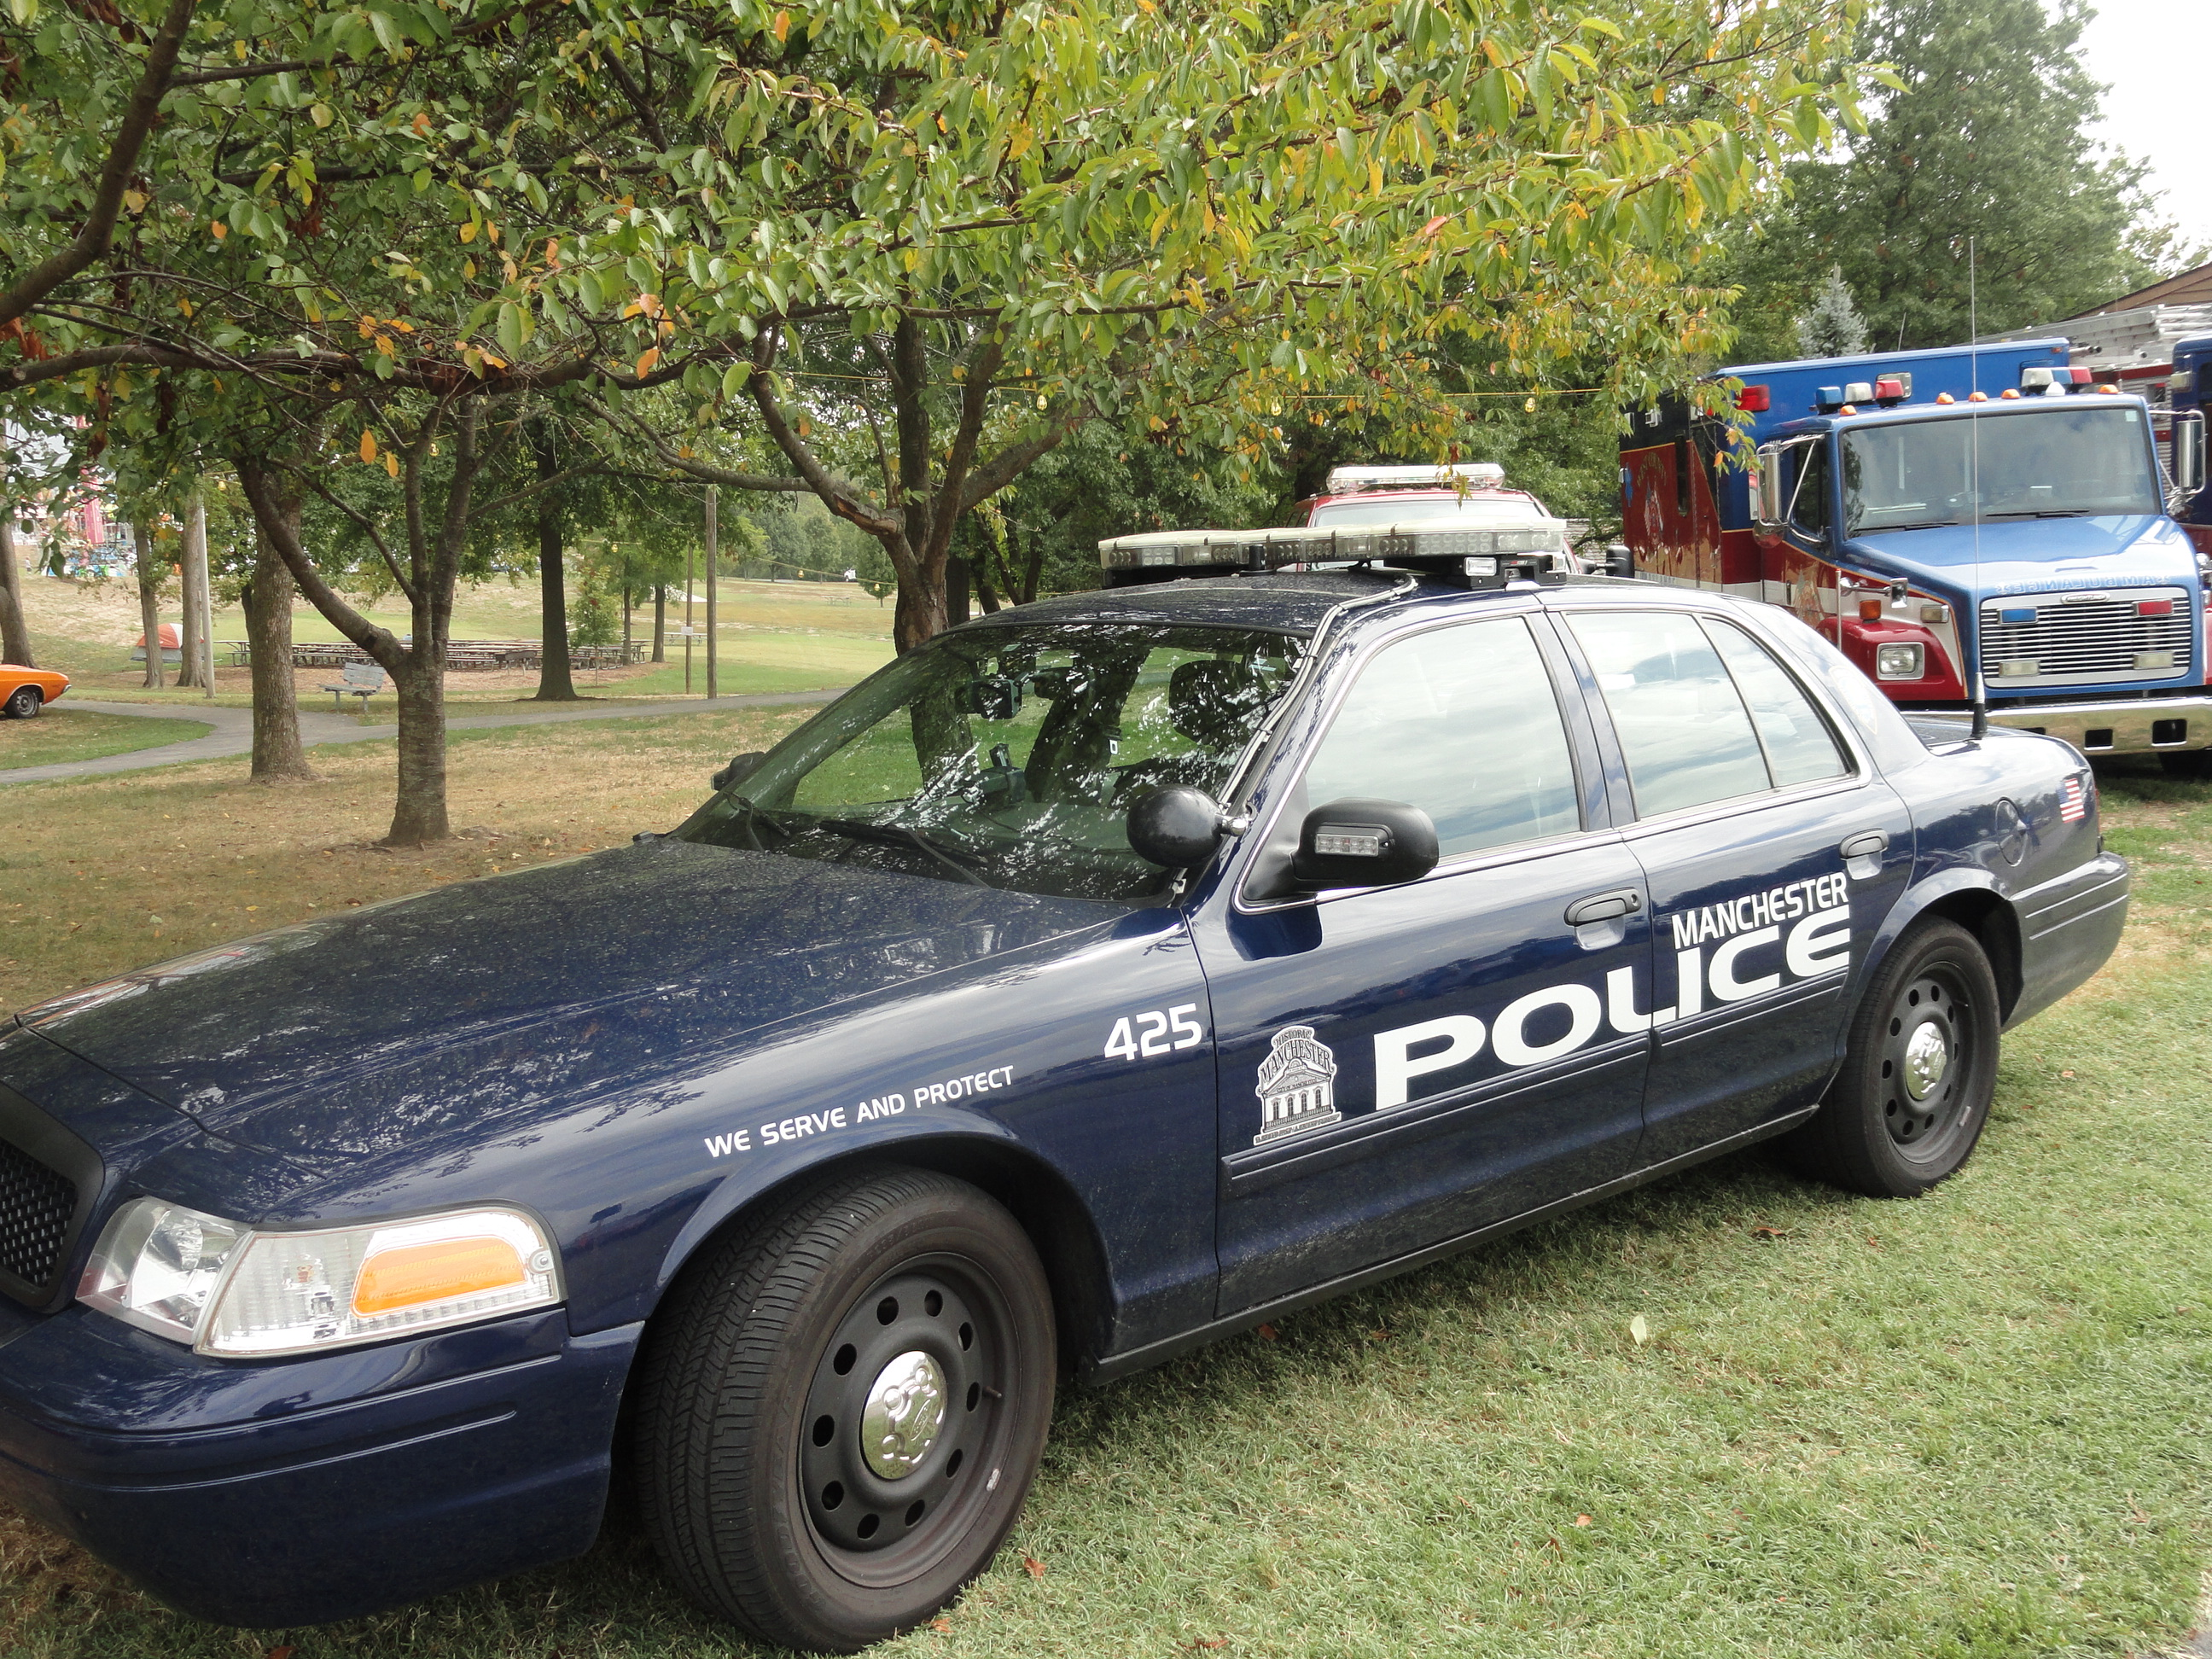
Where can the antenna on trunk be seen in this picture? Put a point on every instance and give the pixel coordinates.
(1981, 726)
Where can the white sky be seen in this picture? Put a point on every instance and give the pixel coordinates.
(2156, 56)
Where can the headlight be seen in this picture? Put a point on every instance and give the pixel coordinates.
(229, 1290)
(1897, 662)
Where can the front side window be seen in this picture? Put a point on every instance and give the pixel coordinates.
(1010, 756)
(1461, 722)
(2056, 460)
(1808, 508)
(1702, 713)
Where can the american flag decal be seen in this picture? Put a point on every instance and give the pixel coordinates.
(2073, 801)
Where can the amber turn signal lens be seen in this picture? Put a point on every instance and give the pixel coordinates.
(414, 1275)
(1869, 609)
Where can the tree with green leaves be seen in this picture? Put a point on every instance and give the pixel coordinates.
(1832, 326)
(1986, 136)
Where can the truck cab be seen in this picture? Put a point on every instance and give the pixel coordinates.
(2011, 538)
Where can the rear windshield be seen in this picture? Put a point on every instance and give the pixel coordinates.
(2059, 461)
(1387, 509)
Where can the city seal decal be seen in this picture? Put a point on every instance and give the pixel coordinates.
(1297, 1086)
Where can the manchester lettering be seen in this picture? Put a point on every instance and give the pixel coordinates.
(1776, 907)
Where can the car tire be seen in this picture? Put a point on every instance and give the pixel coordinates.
(1908, 1105)
(25, 704)
(844, 1309)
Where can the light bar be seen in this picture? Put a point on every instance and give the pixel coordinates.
(1352, 480)
(1271, 550)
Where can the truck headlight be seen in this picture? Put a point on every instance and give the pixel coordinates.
(233, 1292)
(1899, 662)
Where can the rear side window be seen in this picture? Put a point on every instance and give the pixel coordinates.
(1461, 722)
(1702, 712)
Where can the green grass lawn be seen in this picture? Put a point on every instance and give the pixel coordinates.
(63, 734)
(1972, 1426)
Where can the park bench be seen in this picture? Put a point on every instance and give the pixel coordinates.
(361, 680)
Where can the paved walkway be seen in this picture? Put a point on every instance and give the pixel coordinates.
(234, 727)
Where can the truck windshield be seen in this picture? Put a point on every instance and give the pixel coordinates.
(1010, 756)
(2057, 460)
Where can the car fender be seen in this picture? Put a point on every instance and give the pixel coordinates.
(1969, 896)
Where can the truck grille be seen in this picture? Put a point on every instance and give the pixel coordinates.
(36, 1204)
(2077, 638)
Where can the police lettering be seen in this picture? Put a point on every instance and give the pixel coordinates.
(1800, 931)
(959, 1088)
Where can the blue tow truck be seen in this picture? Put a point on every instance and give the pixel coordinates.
(1107, 976)
(1970, 525)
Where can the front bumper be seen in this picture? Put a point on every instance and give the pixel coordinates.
(300, 1491)
(2154, 725)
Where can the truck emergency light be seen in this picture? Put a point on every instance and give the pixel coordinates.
(1893, 388)
(1858, 392)
(1755, 399)
(1353, 480)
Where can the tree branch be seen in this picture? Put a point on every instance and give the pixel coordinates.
(369, 530)
(98, 229)
(381, 646)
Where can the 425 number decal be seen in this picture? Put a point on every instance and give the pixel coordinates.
(1155, 1033)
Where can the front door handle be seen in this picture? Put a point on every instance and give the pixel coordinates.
(1867, 844)
(1604, 907)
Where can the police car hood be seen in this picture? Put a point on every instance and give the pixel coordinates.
(473, 1001)
(2027, 555)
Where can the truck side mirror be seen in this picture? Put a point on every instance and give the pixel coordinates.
(2189, 452)
(1767, 486)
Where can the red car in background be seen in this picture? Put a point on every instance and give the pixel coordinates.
(24, 691)
(1471, 494)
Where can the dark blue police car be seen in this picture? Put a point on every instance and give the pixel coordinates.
(1107, 976)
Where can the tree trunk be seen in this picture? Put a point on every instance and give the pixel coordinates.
(419, 815)
(267, 598)
(193, 568)
(149, 603)
(661, 622)
(15, 625)
(556, 683)
(919, 615)
(626, 608)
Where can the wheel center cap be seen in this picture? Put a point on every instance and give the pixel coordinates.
(904, 1415)
(1927, 1057)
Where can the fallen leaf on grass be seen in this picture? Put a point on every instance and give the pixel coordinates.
(1034, 1567)
(1269, 1333)
(1582, 1520)
(1640, 1328)
(942, 1627)
(1197, 1643)
(279, 1653)
(1767, 1233)
(2066, 1074)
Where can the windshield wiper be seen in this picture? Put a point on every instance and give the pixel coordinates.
(1916, 524)
(2039, 512)
(898, 834)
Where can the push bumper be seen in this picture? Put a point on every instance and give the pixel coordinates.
(298, 1492)
(2159, 725)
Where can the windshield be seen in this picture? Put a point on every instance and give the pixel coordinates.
(1010, 756)
(2060, 461)
(1398, 509)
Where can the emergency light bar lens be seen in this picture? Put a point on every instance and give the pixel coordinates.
(1349, 841)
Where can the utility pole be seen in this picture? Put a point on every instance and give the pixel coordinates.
(713, 496)
(689, 558)
(199, 656)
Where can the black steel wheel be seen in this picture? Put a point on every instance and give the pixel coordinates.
(25, 704)
(841, 1411)
(1914, 1092)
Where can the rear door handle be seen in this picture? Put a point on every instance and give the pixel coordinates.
(1867, 844)
(1604, 907)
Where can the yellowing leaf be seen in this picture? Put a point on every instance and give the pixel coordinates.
(781, 26)
(320, 114)
(368, 446)
(1640, 1328)
(219, 229)
(469, 231)
(135, 200)
(646, 359)
(390, 464)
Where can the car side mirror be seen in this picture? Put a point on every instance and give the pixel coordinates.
(1766, 487)
(1365, 843)
(1176, 827)
(1620, 560)
(740, 768)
